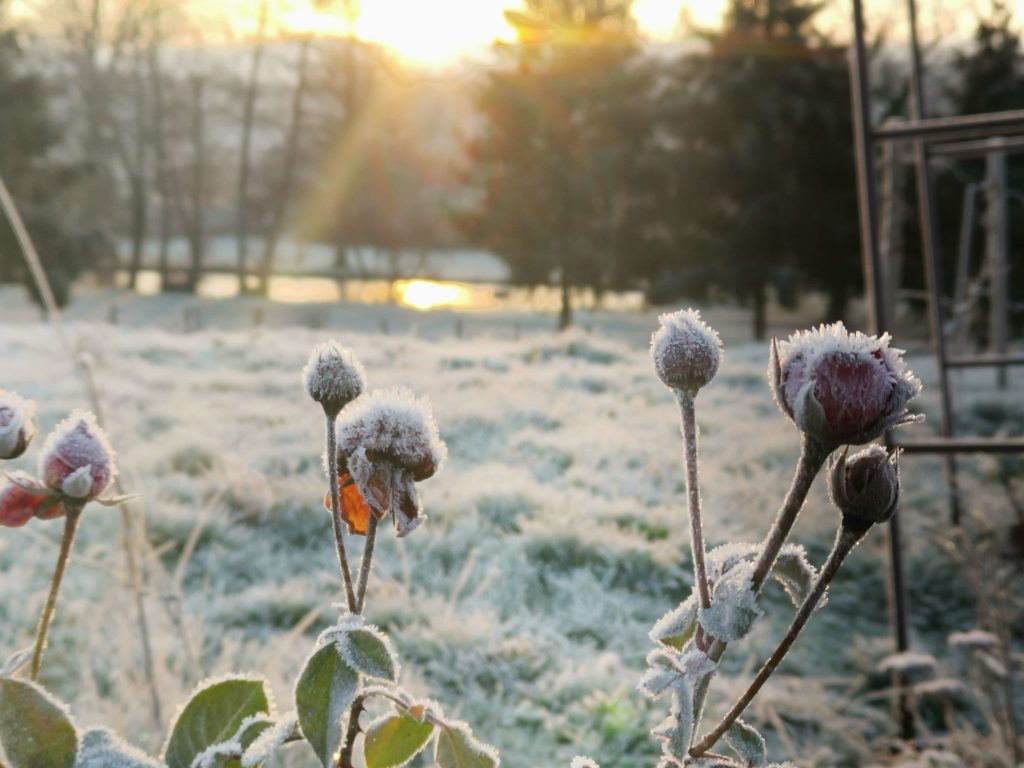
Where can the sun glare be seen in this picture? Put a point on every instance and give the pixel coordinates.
(426, 294)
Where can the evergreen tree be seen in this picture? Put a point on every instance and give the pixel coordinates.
(563, 115)
(759, 166)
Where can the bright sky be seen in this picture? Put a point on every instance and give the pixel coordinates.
(441, 30)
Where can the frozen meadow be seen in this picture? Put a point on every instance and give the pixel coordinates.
(556, 535)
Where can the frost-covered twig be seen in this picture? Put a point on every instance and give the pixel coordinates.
(72, 516)
(812, 457)
(866, 490)
(364, 568)
(689, 420)
(345, 756)
(339, 536)
(844, 544)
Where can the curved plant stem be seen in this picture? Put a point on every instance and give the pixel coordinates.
(364, 567)
(71, 519)
(339, 536)
(846, 540)
(812, 457)
(689, 419)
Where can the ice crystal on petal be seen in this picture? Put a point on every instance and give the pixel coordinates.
(77, 443)
(333, 376)
(841, 387)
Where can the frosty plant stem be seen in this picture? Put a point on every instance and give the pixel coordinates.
(332, 472)
(72, 516)
(812, 457)
(846, 540)
(687, 410)
(364, 567)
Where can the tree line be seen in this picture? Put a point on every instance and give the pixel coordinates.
(721, 166)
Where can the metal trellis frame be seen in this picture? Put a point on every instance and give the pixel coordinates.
(928, 137)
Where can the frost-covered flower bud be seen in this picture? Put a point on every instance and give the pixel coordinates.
(387, 441)
(865, 487)
(686, 351)
(333, 377)
(77, 459)
(840, 387)
(17, 504)
(17, 427)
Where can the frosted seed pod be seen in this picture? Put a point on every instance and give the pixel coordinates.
(840, 387)
(77, 459)
(17, 425)
(333, 377)
(686, 351)
(865, 487)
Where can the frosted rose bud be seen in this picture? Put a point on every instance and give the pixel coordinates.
(77, 459)
(333, 377)
(686, 351)
(865, 487)
(387, 442)
(840, 387)
(17, 427)
(17, 504)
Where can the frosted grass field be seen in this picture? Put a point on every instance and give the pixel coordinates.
(556, 536)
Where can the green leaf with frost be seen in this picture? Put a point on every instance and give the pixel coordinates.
(369, 653)
(212, 716)
(676, 730)
(262, 748)
(395, 739)
(325, 690)
(457, 748)
(734, 606)
(677, 627)
(746, 742)
(795, 573)
(35, 729)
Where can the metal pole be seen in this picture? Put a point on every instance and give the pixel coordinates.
(932, 259)
(867, 185)
(963, 261)
(996, 243)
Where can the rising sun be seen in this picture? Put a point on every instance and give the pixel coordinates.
(441, 31)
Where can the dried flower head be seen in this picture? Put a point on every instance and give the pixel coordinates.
(387, 442)
(686, 351)
(17, 427)
(77, 459)
(840, 387)
(333, 377)
(865, 487)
